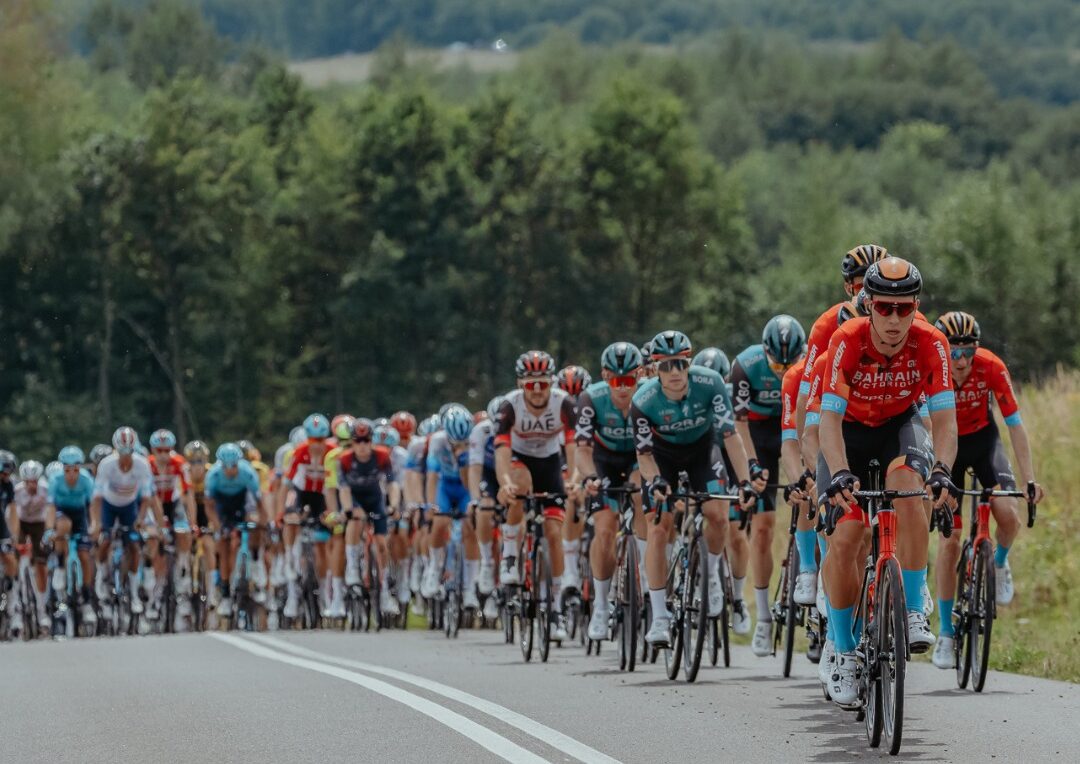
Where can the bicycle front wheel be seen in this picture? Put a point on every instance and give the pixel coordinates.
(695, 609)
(891, 616)
(545, 604)
(790, 608)
(961, 619)
(981, 621)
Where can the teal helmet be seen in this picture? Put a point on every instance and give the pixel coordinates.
(784, 339)
(71, 456)
(428, 426)
(229, 454)
(671, 343)
(715, 359)
(621, 358)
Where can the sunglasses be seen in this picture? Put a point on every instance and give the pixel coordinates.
(197, 463)
(162, 450)
(361, 440)
(673, 364)
(626, 380)
(958, 353)
(902, 309)
(536, 385)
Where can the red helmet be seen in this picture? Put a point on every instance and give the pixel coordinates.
(404, 423)
(574, 379)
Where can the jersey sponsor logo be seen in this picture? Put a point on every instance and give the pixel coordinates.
(701, 379)
(644, 434)
(768, 396)
(684, 424)
(837, 363)
(943, 355)
(879, 379)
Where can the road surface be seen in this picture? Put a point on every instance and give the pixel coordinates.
(417, 697)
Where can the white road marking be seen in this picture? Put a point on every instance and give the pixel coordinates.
(541, 732)
(497, 744)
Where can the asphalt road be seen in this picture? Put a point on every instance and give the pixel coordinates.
(417, 697)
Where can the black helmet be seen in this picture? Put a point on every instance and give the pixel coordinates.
(671, 343)
(892, 277)
(784, 339)
(959, 327)
(857, 260)
(99, 452)
(715, 359)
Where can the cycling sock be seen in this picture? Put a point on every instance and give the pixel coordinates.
(225, 589)
(601, 588)
(830, 625)
(737, 585)
(642, 545)
(485, 552)
(761, 597)
(804, 541)
(658, 599)
(337, 587)
(472, 567)
(914, 581)
(510, 538)
(570, 554)
(821, 546)
(216, 577)
(1001, 554)
(714, 564)
(944, 608)
(843, 637)
(352, 556)
(667, 551)
(133, 581)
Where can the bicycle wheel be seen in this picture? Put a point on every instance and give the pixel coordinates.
(31, 626)
(790, 608)
(962, 618)
(676, 582)
(545, 609)
(713, 641)
(374, 591)
(891, 653)
(695, 609)
(527, 622)
(981, 622)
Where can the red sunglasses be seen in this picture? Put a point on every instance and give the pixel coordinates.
(626, 380)
(902, 309)
(536, 385)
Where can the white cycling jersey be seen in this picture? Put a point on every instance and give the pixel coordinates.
(541, 434)
(121, 487)
(31, 506)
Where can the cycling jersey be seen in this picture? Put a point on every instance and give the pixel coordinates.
(442, 459)
(789, 394)
(601, 423)
(865, 386)
(398, 458)
(219, 485)
(988, 376)
(119, 487)
(535, 434)
(70, 498)
(172, 482)
(264, 473)
(813, 393)
(659, 421)
(817, 342)
(7, 495)
(360, 476)
(31, 506)
(417, 455)
(305, 471)
(757, 388)
(482, 444)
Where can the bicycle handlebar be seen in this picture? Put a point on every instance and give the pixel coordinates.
(986, 494)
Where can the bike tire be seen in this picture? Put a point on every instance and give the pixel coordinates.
(790, 608)
(633, 599)
(892, 653)
(962, 618)
(981, 623)
(673, 653)
(695, 609)
(31, 626)
(545, 610)
(527, 624)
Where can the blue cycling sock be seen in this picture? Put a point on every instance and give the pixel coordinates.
(217, 577)
(843, 637)
(821, 545)
(944, 608)
(1001, 554)
(914, 580)
(830, 627)
(804, 541)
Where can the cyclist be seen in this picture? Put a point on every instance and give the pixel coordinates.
(447, 464)
(415, 488)
(876, 371)
(483, 485)
(8, 466)
(69, 496)
(405, 424)
(978, 377)
(197, 455)
(572, 380)
(173, 485)
(676, 419)
(123, 489)
(31, 501)
(756, 376)
(232, 497)
(97, 453)
(648, 368)
(338, 442)
(533, 423)
(389, 437)
(260, 536)
(606, 457)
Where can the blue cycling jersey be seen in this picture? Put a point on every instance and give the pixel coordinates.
(220, 484)
(442, 459)
(756, 385)
(78, 496)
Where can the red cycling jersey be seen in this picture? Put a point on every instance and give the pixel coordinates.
(818, 341)
(817, 376)
(173, 481)
(307, 473)
(988, 375)
(789, 394)
(865, 386)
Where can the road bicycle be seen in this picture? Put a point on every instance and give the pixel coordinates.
(245, 615)
(536, 607)
(624, 621)
(67, 583)
(788, 615)
(117, 617)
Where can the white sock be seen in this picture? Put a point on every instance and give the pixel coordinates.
(183, 563)
(737, 587)
(601, 588)
(761, 597)
(352, 556)
(658, 598)
(642, 545)
(570, 554)
(714, 564)
(133, 581)
(509, 539)
(485, 553)
(667, 551)
(556, 585)
(337, 587)
(472, 567)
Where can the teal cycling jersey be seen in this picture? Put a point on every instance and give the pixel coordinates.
(78, 496)
(756, 386)
(220, 484)
(706, 407)
(599, 420)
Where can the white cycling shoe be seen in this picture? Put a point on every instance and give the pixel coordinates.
(352, 576)
(761, 644)
(920, 638)
(943, 657)
(508, 574)
(224, 608)
(598, 625)
(416, 571)
(716, 596)
(292, 601)
(805, 588)
(558, 628)
(740, 618)
(486, 580)
(827, 662)
(470, 600)
(843, 682)
(1003, 584)
(89, 617)
(659, 634)
(491, 609)
(337, 605)
(430, 585)
(388, 604)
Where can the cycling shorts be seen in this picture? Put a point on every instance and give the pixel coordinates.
(451, 498)
(312, 503)
(900, 443)
(696, 459)
(79, 524)
(983, 452)
(765, 435)
(729, 477)
(232, 509)
(202, 520)
(489, 483)
(373, 503)
(614, 469)
(547, 477)
(112, 516)
(34, 531)
(5, 532)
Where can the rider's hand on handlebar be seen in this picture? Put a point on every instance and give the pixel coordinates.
(748, 493)
(842, 487)
(659, 489)
(942, 490)
(591, 484)
(1038, 494)
(759, 476)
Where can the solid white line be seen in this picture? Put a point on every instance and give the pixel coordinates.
(490, 740)
(541, 732)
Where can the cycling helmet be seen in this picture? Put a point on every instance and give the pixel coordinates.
(574, 379)
(362, 429)
(7, 462)
(193, 449)
(124, 440)
(71, 456)
(297, 436)
(847, 312)
(620, 358)
(385, 435)
(458, 423)
(101, 450)
(857, 260)
(715, 359)
(892, 277)
(31, 471)
(646, 352)
(316, 427)
(534, 363)
(493, 407)
(229, 454)
(404, 423)
(446, 407)
(54, 469)
(343, 428)
(338, 420)
(784, 339)
(162, 439)
(247, 448)
(428, 426)
(670, 344)
(959, 327)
